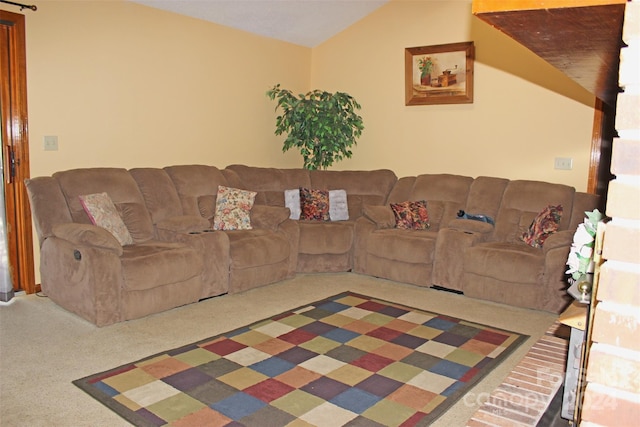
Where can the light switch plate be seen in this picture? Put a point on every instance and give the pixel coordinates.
(51, 143)
(564, 163)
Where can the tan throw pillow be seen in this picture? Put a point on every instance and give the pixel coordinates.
(233, 207)
(102, 212)
(544, 224)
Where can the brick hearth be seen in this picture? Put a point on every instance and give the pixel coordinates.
(525, 394)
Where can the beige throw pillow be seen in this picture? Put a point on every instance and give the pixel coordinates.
(102, 212)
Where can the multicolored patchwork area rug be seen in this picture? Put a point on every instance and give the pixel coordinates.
(349, 360)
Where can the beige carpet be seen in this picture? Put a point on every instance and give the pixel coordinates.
(43, 348)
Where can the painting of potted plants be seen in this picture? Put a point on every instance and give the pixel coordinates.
(439, 74)
(322, 125)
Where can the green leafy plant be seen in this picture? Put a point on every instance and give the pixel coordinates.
(322, 125)
(425, 65)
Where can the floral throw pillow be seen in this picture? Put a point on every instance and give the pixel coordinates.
(543, 225)
(411, 215)
(314, 204)
(233, 207)
(103, 213)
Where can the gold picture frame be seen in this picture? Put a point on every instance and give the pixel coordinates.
(439, 74)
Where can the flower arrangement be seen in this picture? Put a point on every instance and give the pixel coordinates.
(425, 65)
(580, 260)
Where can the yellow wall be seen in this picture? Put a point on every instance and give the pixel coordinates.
(126, 85)
(525, 113)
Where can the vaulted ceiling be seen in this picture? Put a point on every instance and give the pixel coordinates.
(302, 22)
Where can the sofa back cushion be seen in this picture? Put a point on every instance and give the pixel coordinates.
(48, 205)
(401, 191)
(445, 195)
(270, 183)
(523, 201)
(362, 187)
(582, 202)
(485, 196)
(197, 186)
(159, 193)
(121, 188)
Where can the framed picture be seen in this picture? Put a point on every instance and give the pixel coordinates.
(439, 74)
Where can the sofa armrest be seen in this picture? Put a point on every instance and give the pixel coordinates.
(381, 215)
(557, 240)
(184, 224)
(270, 217)
(84, 279)
(87, 235)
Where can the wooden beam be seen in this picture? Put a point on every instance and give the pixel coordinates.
(486, 6)
(581, 38)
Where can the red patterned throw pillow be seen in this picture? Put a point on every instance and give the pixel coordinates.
(314, 204)
(411, 215)
(543, 225)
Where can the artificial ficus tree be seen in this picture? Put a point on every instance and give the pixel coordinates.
(322, 125)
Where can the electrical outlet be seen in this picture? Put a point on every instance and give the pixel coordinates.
(50, 143)
(564, 163)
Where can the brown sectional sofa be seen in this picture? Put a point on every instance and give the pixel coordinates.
(176, 258)
(323, 246)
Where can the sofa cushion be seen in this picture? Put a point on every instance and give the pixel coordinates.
(325, 237)
(314, 204)
(116, 182)
(233, 208)
(411, 246)
(358, 202)
(381, 216)
(103, 213)
(507, 262)
(542, 226)
(522, 201)
(151, 264)
(269, 217)
(207, 206)
(375, 182)
(160, 195)
(138, 221)
(362, 187)
(445, 195)
(192, 182)
(184, 224)
(411, 215)
(272, 197)
(257, 247)
(271, 179)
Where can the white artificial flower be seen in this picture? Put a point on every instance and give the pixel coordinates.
(582, 236)
(586, 252)
(580, 259)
